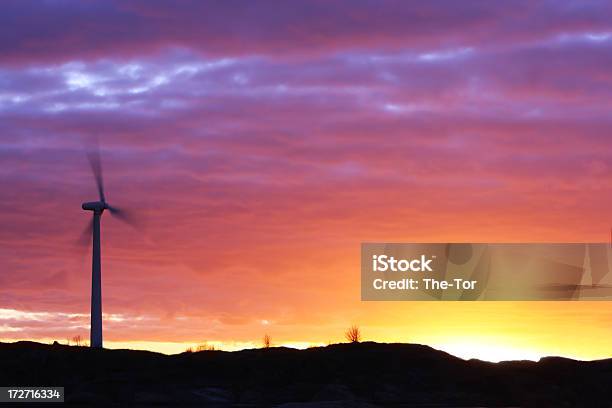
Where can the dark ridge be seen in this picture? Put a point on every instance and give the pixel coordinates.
(340, 375)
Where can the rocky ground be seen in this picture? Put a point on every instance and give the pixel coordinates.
(341, 375)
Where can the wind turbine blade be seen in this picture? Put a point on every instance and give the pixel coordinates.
(86, 235)
(96, 167)
(125, 216)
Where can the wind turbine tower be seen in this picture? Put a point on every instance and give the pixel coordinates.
(98, 208)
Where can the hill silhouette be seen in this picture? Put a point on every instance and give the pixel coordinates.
(362, 375)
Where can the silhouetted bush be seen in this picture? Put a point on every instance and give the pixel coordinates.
(267, 341)
(353, 334)
(205, 347)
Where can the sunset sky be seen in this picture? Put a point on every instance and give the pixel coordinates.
(262, 142)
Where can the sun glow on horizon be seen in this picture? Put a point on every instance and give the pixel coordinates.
(489, 352)
(481, 330)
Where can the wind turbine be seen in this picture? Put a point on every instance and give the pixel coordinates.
(93, 230)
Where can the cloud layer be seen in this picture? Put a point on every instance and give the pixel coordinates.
(261, 143)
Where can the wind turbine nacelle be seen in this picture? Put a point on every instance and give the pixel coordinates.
(94, 206)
